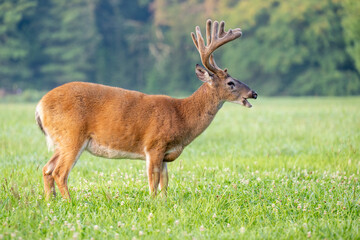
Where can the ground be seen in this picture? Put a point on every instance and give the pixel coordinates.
(288, 168)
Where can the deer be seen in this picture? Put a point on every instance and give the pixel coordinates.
(116, 123)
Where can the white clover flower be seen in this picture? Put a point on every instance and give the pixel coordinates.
(75, 236)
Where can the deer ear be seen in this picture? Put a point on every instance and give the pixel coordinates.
(202, 74)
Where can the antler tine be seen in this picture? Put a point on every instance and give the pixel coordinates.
(200, 40)
(208, 32)
(208, 40)
(194, 40)
(217, 33)
(214, 33)
(222, 30)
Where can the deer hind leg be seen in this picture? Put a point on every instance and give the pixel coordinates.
(68, 157)
(49, 185)
(164, 179)
(154, 168)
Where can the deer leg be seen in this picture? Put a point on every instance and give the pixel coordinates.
(164, 180)
(153, 168)
(65, 163)
(49, 185)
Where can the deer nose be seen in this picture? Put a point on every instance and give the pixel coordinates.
(254, 94)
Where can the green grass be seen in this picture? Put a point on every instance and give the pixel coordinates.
(286, 169)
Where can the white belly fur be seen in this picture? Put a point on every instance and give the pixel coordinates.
(104, 151)
(174, 149)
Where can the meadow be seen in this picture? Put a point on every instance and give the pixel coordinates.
(286, 169)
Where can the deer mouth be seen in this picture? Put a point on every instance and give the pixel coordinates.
(245, 102)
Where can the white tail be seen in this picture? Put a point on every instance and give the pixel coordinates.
(117, 123)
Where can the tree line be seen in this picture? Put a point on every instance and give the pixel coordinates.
(298, 47)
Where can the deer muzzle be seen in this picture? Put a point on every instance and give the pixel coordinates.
(253, 95)
(245, 102)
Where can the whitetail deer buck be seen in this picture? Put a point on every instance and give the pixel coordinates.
(112, 122)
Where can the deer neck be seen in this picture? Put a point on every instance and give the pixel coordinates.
(200, 109)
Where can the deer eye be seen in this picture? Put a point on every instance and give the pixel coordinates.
(231, 84)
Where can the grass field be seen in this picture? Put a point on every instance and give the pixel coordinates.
(286, 169)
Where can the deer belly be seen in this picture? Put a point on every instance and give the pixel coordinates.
(108, 152)
(173, 153)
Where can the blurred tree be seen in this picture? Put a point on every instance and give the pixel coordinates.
(14, 49)
(298, 47)
(174, 52)
(291, 48)
(123, 56)
(351, 26)
(64, 40)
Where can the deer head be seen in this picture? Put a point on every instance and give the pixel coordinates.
(228, 88)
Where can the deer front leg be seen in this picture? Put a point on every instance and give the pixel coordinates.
(164, 180)
(154, 168)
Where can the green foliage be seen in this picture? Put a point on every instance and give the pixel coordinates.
(64, 40)
(13, 46)
(290, 170)
(351, 26)
(123, 56)
(174, 53)
(299, 47)
(292, 48)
